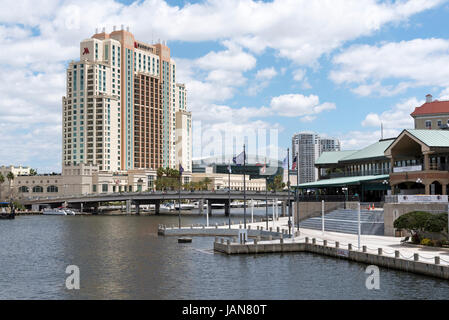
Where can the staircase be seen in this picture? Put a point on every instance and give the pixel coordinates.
(345, 220)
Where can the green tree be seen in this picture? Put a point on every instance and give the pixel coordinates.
(206, 182)
(10, 177)
(2, 179)
(33, 172)
(436, 223)
(277, 184)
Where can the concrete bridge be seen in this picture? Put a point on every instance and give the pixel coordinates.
(92, 201)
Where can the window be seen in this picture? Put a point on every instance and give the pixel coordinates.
(52, 189)
(24, 189)
(428, 124)
(38, 189)
(439, 123)
(104, 188)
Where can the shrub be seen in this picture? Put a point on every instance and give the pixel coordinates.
(436, 223)
(437, 243)
(426, 242)
(416, 239)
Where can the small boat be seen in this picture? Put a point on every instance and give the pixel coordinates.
(7, 216)
(69, 212)
(54, 211)
(184, 240)
(167, 207)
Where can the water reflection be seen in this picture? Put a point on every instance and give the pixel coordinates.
(123, 258)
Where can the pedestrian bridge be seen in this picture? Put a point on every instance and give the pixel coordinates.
(139, 198)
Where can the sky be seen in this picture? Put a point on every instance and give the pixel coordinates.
(337, 68)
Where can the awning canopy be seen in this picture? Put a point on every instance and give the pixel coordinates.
(342, 182)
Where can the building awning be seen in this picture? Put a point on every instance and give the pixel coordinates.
(341, 182)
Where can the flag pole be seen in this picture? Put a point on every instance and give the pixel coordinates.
(244, 187)
(288, 186)
(297, 186)
(179, 206)
(266, 193)
(229, 194)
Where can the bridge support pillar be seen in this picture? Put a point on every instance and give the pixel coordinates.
(283, 208)
(209, 207)
(128, 206)
(157, 207)
(81, 207)
(137, 204)
(200, 206)
(227, 208)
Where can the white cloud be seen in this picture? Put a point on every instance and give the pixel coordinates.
(418, 62)
(397, 117)
(37, 40)
(266, 74)
(298, 105)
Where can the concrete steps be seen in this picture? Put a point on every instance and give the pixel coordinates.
(345, 220)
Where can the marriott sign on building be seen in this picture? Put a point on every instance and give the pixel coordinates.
(123, 109)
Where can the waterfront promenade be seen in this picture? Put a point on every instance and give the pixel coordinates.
(372, 243)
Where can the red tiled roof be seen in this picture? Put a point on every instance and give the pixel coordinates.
(432, 108)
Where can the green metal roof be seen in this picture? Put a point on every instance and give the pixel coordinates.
(375, 150)
(343, 181)
(332, 157)
(431, 138)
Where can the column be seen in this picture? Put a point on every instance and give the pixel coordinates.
(157, 207)
(443, 189)
(137, 207)
(128, 206)
(426, 162)
(227, 208)
(200, 206)
(283, 208)
(427, 188)
(209, 207)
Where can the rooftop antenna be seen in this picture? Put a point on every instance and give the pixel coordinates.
(381, 131)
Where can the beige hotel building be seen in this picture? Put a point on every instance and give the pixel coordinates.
(121, 107)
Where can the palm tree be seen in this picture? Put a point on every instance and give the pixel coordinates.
(10, 177)
(2, 179)
(206, 182)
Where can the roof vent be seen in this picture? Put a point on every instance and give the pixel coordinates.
(428, 98)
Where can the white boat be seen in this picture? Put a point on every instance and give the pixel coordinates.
(185, 206)
(167, 207)
(69, 212)
(54, 211)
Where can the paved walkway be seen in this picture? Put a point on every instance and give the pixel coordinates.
(372, 242)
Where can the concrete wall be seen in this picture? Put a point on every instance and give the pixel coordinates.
(429, 269)
(392, 211)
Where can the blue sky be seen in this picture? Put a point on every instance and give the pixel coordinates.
(338, 68)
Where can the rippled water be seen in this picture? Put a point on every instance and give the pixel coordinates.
(121, 257)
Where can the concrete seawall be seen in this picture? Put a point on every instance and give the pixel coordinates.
(396, 263)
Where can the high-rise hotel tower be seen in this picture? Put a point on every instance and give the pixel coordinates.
(123, 108)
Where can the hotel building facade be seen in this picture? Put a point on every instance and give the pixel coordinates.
(121, 105)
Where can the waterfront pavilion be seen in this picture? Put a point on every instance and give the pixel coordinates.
(363, 173)
(420, 162)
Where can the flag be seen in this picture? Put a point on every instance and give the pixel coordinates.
(294, 163)
(240, 159)
(229, 168)
(263, 169)
(181, 169)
